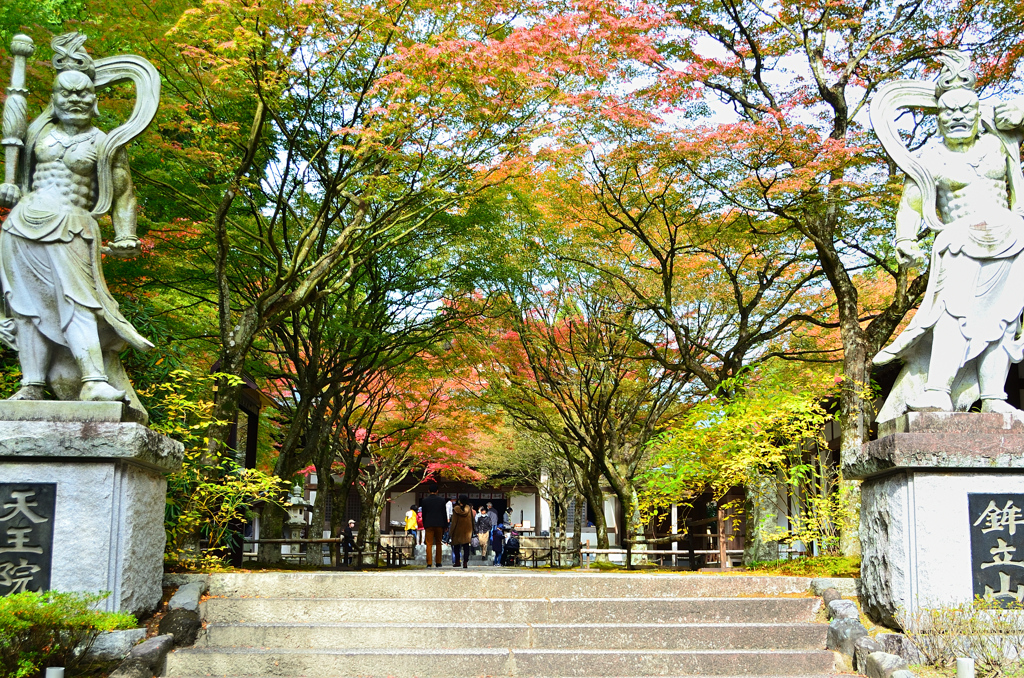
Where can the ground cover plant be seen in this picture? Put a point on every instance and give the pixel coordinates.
(811, 566)
(50, 629)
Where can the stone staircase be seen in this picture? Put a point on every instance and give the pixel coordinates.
(501, 622)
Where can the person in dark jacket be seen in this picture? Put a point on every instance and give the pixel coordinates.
(497, 543)
(348, 543)
(435, 519)
(483, 530)
(461, 530)
(495, 520)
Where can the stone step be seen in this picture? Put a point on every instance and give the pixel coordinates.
(440, 663)
(511, 611)
(448, 582)
(705, 636)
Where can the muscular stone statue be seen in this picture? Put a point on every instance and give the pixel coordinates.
(966, 186)
(66, 326)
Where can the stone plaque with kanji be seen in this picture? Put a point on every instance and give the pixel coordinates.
(26, 536)
(997, 547)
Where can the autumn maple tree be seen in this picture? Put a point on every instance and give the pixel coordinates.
(559, 356)
(307, 137)
(763, 106)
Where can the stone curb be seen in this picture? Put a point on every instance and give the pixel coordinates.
(113, 646)
(846, 586)
(885, 665)
(179, 580)
(147, 659)
(848, 637)
(187, 596)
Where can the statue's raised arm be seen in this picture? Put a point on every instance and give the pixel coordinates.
(68, 329)
(965, 186)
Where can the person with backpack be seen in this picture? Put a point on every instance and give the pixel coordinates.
(461, 531)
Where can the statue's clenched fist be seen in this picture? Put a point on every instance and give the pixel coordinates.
(1009, 115)
(910, 253)
(124, 248)
(10, 194)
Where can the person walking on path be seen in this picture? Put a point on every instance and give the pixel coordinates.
(497, 543)
(492, 514)
(410, 523)
(348, 542)
(435, 519)
(419, 526)
(483, 530)
(461, 531)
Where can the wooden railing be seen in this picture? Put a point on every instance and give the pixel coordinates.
(393, 555)
(717, 538)
(717, 545)
(398, 549)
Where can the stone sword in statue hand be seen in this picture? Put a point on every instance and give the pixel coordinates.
(15, 124)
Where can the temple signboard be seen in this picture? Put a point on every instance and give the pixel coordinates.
(997, 547)
(26, 536)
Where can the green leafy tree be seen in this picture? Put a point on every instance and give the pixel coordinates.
(765, 435)
(212, 493)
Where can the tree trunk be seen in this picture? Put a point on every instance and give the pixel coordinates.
(558, 527)
(577, 525)
(324, 492)
(635, 527)
(272, 521)
(342, 489)
(761, 515)
(591, 488)
(369, 525)
(855, 419)
(235, 345)
(601, 525)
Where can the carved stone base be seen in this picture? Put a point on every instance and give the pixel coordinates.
(915, 526)
(110, 477)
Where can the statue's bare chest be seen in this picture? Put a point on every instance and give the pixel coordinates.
(985, 164)
(65, 167)
(77, 153)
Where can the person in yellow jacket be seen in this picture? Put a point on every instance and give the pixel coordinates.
(410, 522)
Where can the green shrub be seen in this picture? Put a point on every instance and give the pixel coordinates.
(50, 629)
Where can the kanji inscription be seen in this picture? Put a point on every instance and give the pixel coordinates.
(997, 546)
(26, 536)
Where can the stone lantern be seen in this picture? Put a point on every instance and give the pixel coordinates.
(296, 505)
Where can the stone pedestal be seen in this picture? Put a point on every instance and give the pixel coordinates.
(916, 527)
(108, 514)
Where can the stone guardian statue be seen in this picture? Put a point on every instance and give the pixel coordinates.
(967, 187)
(67, 173)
